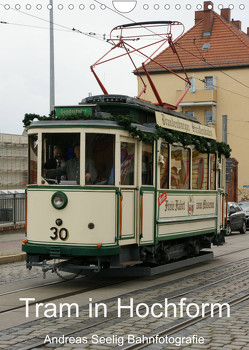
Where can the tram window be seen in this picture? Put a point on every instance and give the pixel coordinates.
(212, 172)
(147, 164)
(61, 158)
(127, 163)
(33, 149)
(100, 155)
(199, 171)
(164, 170)
(179, 168)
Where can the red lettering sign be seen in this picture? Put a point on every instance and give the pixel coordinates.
(162, 198)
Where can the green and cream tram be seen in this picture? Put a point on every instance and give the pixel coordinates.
(155, 191)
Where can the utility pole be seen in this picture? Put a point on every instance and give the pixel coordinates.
(52, 98)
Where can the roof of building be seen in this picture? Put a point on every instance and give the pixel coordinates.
(213, 42)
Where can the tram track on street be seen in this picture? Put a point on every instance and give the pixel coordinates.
(167, 331)
(71, 293)
(35, 287)
(230, 253)
(185, 324)
(50, 299)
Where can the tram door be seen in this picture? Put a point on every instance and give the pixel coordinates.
(128, 184)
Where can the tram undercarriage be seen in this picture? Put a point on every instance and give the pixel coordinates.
(132, 258)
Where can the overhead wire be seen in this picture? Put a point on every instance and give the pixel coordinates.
(217, 86)
(240, 121)
(30, 26)
(240, 137)
(176, 43)
(93, 35)
(213, 66)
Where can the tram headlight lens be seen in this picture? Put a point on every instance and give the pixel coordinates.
(59, 200)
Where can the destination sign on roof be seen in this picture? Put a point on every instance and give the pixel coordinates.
(173, 123)
(73, 110)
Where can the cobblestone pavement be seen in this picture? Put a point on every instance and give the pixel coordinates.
(229, 331)
(17, 272)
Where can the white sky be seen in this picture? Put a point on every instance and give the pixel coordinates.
(24, 50)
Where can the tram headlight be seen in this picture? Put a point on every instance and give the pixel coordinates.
(59, 200)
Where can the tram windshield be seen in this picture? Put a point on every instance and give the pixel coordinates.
(99, 155)
(61, 158)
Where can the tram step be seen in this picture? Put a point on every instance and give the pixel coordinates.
(55, 252)
(126, 263)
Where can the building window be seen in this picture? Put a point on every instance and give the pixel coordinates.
(208, 117)
(190, 113)
(206, 46)
(209, 83)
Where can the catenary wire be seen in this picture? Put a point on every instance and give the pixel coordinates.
(59, 25)
(210, 64)
(176, 43)
(30, 26)
(120, 14)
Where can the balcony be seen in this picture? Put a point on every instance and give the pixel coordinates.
(201, 97)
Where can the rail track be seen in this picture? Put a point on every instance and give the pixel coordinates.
(169, 330)
(185, 324)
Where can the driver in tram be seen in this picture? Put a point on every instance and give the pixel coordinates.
(72, 169)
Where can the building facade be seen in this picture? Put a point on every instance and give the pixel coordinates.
(13, 161)
(215, 54)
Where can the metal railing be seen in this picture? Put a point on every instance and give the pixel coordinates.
(12, 208)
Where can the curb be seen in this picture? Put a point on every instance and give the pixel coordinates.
(8, 259)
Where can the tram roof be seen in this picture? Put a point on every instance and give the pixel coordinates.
(150, 128)
(134, 103)
(107, 106)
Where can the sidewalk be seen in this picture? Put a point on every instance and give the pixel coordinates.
(11, 246)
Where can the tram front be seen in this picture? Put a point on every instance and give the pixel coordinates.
(72, 200)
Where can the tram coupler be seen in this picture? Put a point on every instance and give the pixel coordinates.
(99, 265)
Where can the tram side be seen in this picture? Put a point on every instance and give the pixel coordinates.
(146, 202)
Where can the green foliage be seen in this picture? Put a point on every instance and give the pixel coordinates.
(29, 117)
(202, 144)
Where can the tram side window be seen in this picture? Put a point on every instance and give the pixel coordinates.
(127, 163)
(212, 172)
(180, 167)
(100, 156)
(61, 158)
(33, 151)
(164, 169)
(199, 171)
(147, 164)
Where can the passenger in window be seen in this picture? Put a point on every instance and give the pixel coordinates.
(56, 162)
(72, 169)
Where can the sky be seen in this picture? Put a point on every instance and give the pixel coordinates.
(24, 49)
